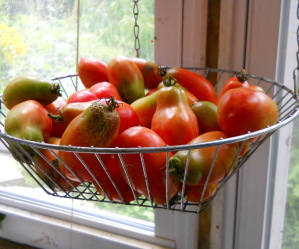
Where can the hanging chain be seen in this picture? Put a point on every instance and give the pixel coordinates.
(296, 70)
(136, 27)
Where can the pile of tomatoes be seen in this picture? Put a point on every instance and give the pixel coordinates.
(131, 103)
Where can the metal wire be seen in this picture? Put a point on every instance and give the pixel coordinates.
(136, 27)
(284, 97)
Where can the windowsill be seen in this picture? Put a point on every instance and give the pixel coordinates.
(53, 216)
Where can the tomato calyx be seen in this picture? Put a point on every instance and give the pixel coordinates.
(175, 168)
(112, 104)
(241, 76)
(55, 89)
(170, 81)
(57, 117)
(162, 71)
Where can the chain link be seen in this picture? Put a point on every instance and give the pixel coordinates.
(136, 27)
(296, 70)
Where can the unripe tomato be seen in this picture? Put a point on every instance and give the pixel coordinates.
(206, 114)
(201, 159)
(97, 126)
(28, 87)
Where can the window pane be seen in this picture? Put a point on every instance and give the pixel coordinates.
(40, 38)
(291, 223)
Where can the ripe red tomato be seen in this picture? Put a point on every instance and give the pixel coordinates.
(240, 80)
(196, 84)
(105, 90)
(57, 127)
(244, 110)
(107, 188)
(127, 115)
(201, 159)
(92, 71)
(49, 171)
(154, 164)
(174, 121)
(83, 95)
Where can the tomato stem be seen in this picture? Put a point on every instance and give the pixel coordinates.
(58, 118)
(112, 103)
(175, 168)
(242, 75)
(170, 81)
(55, 89)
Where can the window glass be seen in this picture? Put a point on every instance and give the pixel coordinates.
(291, 222)
(46, 38)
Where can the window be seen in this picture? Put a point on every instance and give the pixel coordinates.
(248, 213)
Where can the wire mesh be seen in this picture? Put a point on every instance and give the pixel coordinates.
(54, 183)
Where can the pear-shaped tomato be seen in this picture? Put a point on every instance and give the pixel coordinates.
(97, 126)
(174, 120)
(145, 108)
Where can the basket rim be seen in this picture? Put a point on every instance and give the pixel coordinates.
(116, 150)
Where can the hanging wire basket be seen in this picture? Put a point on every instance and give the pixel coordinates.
(286, 100)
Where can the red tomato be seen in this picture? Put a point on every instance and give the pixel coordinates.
(105, 90)
(154, 164)
(174, 121)
(150, 72)
(196, 84)
(150, 92)
(240, 80)
(83, 95)
(92, 71)
(49, 171)
(107, 189)
(127, 115)
(244, 110)
(54, 108)
(201, 159)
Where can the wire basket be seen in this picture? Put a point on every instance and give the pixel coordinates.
(286, 100)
